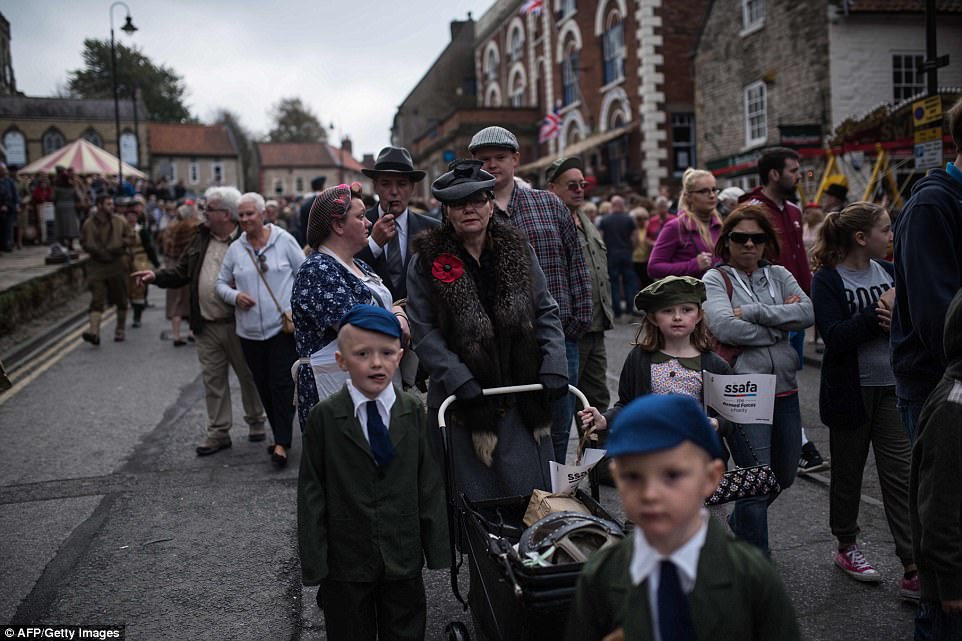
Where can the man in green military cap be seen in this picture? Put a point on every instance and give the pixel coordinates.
(566, 180)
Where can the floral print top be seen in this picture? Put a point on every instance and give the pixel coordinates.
(671, 375)
(324, 290)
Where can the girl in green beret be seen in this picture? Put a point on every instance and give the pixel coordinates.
(672, 348)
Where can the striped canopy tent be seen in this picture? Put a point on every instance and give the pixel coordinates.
(84, 158)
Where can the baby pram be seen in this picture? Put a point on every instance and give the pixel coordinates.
(508, 599)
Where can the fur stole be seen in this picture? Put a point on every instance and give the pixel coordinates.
(497, 343)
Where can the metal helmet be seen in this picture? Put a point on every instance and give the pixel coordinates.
(566, 537)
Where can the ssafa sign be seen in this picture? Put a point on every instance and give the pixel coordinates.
(565, 479)
(741, 398)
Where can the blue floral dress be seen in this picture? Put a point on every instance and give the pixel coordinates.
(324, 290)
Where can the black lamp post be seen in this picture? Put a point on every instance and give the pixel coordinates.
(129, 29)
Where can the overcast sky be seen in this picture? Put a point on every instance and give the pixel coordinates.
(352, 62)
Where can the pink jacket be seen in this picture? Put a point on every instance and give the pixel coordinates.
(676, 251)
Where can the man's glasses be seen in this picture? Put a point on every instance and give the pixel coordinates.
(262, 262)
(707, 190)
(475, 202)
(577, 186)
(741, 238)
(210, 209)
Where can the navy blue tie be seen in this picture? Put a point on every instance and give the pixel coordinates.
(674, 615)
(381, 445)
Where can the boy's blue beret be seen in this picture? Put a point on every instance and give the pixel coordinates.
(373, 319)
(661, 421)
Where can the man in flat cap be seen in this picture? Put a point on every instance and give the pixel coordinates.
(546, 222)
(393, 228)
(566, 180)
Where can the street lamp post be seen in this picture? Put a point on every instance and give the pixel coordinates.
(129, 29)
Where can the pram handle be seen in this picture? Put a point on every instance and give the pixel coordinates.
(507, 389)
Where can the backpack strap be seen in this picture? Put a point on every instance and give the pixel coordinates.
(729, 289)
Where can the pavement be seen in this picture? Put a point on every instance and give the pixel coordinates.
(108, 517)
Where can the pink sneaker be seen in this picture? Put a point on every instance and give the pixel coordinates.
(852, 562)
(909, 588)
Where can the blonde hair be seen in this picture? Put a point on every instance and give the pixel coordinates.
(687, 183)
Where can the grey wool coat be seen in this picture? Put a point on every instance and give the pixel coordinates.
(520, 461)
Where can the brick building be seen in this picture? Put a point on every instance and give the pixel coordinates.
(8, 83)
(449, 139)
(200, 156)
(287, 168)
(618, 73)
(31, 128)
(770, 73)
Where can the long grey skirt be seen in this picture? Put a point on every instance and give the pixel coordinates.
(66, 224)
(520, 463)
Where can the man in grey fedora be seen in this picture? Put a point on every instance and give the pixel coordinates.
(393, 228)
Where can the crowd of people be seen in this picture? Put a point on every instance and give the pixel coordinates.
(336, 310)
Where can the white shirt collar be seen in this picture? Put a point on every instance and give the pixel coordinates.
(645, 559)
(385, 401)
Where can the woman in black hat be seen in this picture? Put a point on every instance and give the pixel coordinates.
(481, 317)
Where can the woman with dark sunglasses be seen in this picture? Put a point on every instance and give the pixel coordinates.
(753, 304)
(257, 277)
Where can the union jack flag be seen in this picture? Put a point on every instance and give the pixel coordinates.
(550, 127)
(531, 7)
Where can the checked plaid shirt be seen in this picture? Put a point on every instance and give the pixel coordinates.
(545, 220)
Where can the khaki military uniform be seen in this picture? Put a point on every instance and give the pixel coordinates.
(106, 241)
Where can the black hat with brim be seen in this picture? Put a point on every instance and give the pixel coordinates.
(463, 179)
(394, 160)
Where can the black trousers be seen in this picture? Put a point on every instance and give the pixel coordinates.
(270, 363)
(386, 610)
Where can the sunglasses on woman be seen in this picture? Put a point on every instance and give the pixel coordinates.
(262, 262)
(741, 238)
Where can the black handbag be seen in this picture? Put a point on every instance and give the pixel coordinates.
(745, 482)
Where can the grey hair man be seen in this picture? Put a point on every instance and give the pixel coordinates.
(212, 320)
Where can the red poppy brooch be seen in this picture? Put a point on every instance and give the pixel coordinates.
(447, 268)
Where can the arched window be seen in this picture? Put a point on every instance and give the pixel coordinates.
(516, 88)
(613, 48)
(516, 43)
(51, 141)
(16, 145)
(94, 138)
(566, 8)
(569, 74)
(128, 149)
(491, 61)
(492, 97)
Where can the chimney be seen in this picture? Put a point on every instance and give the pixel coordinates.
(368, 161)
(346, 145)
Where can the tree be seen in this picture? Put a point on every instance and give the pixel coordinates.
(161, 88)
(245, 146)
(295, 122)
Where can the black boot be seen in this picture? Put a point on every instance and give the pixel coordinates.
(138, 311)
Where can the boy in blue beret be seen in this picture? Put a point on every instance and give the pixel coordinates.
(680, 576)
(370, 504)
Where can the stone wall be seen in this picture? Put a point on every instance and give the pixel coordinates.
(789, 53)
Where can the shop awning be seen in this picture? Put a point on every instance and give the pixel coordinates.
(578, 148)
